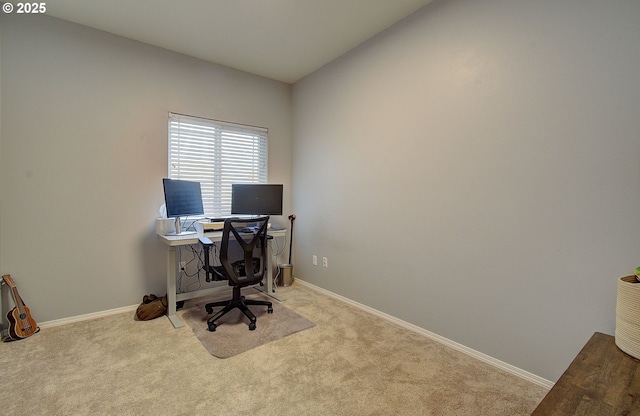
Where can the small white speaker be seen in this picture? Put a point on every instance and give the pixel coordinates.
(165, 226)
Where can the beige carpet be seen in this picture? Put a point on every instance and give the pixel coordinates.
(350, 364)
(232, 336)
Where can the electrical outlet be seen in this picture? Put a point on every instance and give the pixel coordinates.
(325, 262)
(315, 260)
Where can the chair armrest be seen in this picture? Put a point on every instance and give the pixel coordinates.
(205, 241)
(206, 244)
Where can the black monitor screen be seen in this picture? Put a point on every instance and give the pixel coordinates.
(256, 199)
(182, 198)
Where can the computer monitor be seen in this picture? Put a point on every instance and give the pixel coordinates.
(182, 198)
(256, 199)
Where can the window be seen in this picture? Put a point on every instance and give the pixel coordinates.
(216, 154)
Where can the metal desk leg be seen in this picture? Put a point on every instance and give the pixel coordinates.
(171, 288)
(269, 290)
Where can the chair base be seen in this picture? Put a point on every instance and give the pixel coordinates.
(238, 301)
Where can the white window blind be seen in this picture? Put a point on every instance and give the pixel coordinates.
(216, 154)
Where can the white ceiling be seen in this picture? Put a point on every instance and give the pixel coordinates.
(279, 39)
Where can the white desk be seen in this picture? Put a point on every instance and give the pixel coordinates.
(173, 241)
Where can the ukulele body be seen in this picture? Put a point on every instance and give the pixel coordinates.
(21, 325)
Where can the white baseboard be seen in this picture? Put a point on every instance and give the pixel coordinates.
(459, 347)
(87, 317)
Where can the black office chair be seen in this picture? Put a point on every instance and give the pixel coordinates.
(244, 243)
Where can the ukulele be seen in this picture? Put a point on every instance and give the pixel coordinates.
(21, 323)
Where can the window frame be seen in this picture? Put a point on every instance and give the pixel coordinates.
(217, 154)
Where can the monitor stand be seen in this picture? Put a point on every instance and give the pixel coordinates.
(179, 229)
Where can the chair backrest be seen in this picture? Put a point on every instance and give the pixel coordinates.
(243, 250)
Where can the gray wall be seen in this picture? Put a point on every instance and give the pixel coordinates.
(475, 171)
(83, 150)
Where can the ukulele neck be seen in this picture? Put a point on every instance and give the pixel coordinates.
(8, 280)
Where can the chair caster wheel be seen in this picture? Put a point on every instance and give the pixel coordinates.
(209, 309)
(252, 326)
(269, 309)
(212, 327)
